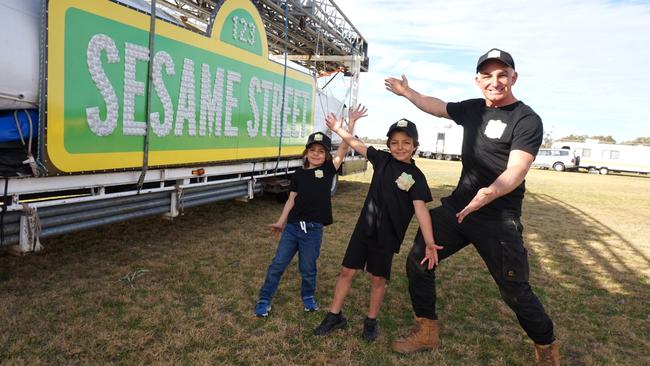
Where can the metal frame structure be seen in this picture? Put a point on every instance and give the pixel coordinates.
(85, 201)
(320, 37)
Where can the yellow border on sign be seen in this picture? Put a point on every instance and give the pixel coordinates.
(71, 163)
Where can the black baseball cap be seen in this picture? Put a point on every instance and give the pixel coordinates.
(406, 126)
(320, 138)
(495, 54)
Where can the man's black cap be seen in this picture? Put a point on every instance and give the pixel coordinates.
(406, 126)
(495, 54)
(320, 138)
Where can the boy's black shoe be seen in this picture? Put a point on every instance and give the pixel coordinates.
(330, 323)
(370, 329)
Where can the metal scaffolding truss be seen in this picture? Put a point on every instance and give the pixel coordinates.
(320, 37)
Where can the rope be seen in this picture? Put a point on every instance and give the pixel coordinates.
(20, 130)
(152, 33)
(34, 224)
(28, 146)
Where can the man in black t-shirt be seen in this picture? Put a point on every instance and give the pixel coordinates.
(501, 138)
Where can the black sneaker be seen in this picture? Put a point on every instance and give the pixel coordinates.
(330, 323)
(370, 329)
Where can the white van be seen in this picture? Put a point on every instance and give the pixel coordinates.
(556, 159)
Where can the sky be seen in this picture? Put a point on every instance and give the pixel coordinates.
(583, 65)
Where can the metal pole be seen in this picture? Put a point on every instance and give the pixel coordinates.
(152, 33)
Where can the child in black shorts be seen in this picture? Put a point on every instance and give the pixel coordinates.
(398, 190)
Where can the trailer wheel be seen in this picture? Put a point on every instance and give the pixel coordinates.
(592, 170)
(335, 185)
(438, 156)
(448, 157)
(603, 171)
(559, 167)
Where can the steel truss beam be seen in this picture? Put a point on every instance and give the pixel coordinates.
(316, 28)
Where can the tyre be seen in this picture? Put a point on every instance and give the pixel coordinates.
(603, 171)
(592, 170)
(559, 167)
(438, 156)
(448, 157)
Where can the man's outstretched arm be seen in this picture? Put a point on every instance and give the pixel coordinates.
(427, 104)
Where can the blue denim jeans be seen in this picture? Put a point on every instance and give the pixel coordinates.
(304, 238)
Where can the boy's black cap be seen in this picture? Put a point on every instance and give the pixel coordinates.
(406, 126)
(495, 54)
(321, 138)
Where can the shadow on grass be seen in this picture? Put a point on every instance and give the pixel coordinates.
(593, 282)
(194, 303)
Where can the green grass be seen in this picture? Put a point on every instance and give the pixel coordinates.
(183, 291)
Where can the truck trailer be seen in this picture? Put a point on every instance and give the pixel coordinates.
(114, 110)
(600, 158)
(446, 144)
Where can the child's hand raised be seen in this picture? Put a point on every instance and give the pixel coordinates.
(332, 122)
(359, 112)
(276, 228)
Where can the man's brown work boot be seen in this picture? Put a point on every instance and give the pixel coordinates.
(424, 336)
(547, 355)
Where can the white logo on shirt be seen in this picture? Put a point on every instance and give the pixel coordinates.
(318, 173)
(405, 181)
(494, 129)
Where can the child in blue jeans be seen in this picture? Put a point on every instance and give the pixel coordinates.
(306, 212)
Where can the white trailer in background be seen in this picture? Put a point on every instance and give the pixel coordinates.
(448, 142)
(603, 158)
(426, 148)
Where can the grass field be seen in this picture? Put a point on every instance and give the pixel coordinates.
(182, 292)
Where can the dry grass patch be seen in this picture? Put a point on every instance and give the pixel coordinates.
(193, 298)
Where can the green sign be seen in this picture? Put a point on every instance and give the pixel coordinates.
(212, 99)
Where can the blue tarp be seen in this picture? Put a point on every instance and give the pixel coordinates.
(8, 130)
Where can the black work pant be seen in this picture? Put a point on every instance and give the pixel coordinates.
(500, 243)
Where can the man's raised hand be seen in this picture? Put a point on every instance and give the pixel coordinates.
(397, 86)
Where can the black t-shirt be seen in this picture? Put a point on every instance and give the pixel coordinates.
(489, 136)
(314, 201)
(388, 209)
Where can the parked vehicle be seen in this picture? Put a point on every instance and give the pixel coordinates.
(556, 159)
(599, 158)
(104, 144)
(446, 143)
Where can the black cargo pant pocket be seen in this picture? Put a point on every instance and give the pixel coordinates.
(514, 254)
